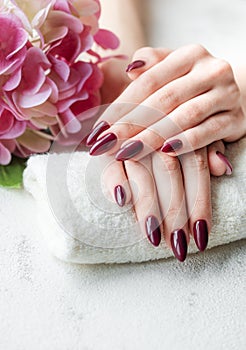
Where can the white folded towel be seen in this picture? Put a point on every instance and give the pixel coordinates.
(82, 226)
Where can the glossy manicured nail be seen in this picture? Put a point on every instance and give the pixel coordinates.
(134, 65)
(103, 144)
(226, 161)
(179, 244)
(96, 131)
(153, 230)
(129, 150)
(200, 231)
(120, 195)
(172, 146)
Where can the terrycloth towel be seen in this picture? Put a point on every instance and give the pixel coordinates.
(82, 226)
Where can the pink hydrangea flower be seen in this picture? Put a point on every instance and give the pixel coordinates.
(13, 39)
(47, 90)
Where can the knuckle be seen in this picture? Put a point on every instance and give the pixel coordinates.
(169, 98)
(193, 140)
(215, 125)
(198, 161)
(173, 212)
(220, 69)
(170, 164)
(192, 114)
(234, 92)
(203, 203)
(197, 49)
(126, 129)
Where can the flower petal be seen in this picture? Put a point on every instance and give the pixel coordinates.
(34, 142)
(106, 39)
(5, 155)
(17, 130)
(71, 124)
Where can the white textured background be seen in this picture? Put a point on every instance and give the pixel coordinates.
(49, 305)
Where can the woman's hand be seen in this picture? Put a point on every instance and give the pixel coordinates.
(170, 196)
(190, 99)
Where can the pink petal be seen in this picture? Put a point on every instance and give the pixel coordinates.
(6, 121)
(9, 144)
(63, 105)
(69, 48)
(13, 81)
(60, 67)
(33, 71)
(16, 131)
(5, 155)
(54, 90)
(85, 71)
(94, 82)
(26, 101)
(55, 34)
(69, 121)
(106, 39)
(84, 110)
(63, 19)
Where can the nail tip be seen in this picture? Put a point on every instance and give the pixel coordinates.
(227, 163)
(95, 132)
(153, 230)
(179, 244)
(103, 144)
(134, 65)
(200, 233)
(130, 150)
(120, 195)
(172, 146)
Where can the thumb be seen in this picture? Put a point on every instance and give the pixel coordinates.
(145, 58)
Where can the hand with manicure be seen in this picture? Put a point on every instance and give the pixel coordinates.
(173, 195)
(191, 99)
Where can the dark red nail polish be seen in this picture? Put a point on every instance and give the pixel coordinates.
(200, 231)
(172, 146)
(129, 150)
(120, 195)
(153, 230)
(134, 65)
(96, 131)
(226, 161)
(103, 144)
(179, 244)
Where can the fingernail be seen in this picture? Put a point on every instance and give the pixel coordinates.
(179, 244)
(200, 231)
(153, 230)
(226, 161)
(134, 65)
(103, 144)
(172, 146)
(120, 195)
(96, 131)
(129, 150)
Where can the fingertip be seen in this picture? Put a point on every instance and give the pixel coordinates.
(135, 65)
(218, 163)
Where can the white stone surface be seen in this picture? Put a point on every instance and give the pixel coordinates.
(49, 305)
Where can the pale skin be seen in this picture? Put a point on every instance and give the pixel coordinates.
(200, 109)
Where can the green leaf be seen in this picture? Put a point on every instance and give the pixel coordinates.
(11, 175)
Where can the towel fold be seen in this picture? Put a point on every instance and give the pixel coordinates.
(82, 226)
